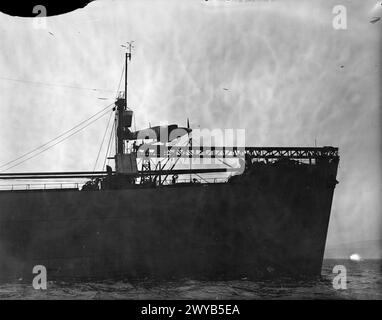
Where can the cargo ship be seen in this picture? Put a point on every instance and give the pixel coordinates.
(149, 218)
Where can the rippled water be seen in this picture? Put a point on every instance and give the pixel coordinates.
(364, 281)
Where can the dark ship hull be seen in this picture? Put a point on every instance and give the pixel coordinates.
(270, 221)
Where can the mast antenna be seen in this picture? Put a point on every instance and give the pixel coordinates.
(129, 46)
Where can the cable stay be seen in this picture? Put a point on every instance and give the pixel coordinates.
(84, 123)
(108, 150)
(54, 84)
(103, 139)
(107, 127)
(42, 148)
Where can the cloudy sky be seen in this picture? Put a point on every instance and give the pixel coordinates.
(292, 80)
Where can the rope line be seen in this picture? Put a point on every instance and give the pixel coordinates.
(103, 139)
(51, 146)
(113, 127)
(56, 138)
(108, 151)
(54, 85)
(47, 145)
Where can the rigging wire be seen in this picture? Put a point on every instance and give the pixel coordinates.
(108, 146)
(120, 81)
(55, 85)
(176, 161)
(51, 146)
(67, 131)
(56, 138)
(103, 139)
(113, 127)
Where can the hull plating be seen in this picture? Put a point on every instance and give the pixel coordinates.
(271, 221)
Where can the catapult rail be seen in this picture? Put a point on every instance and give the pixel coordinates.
(238, 152)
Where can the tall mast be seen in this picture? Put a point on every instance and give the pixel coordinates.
(127, 58)
(126, 55)
(121, 104)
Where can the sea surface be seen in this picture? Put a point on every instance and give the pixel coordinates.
(364, 281)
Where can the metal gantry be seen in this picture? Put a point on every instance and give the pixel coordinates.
(160, 151)
(294, 153)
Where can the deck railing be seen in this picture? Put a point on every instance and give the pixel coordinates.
(78, 185)
(40, 186)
